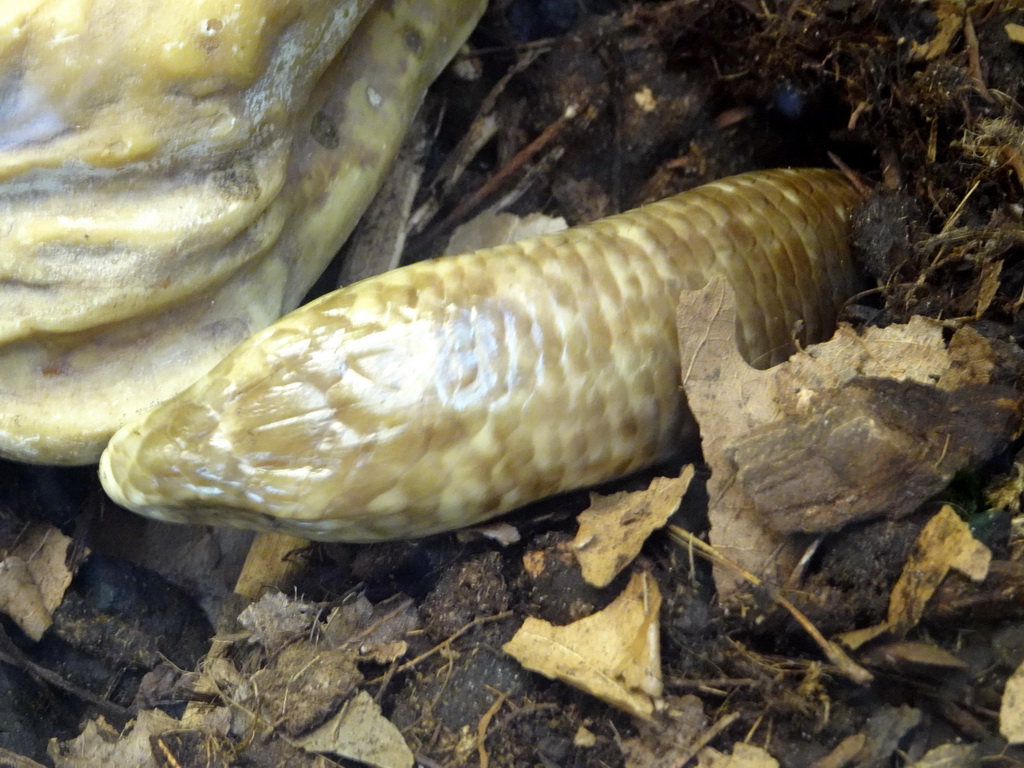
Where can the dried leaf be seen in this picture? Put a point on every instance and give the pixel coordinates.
(490, 228)
(971, 358)
(671, 739)
(844, 753)
(371, 631)
(216, 676)
(613, 530)
(949, 756)
(100, 744)
(945, 542)
(21, 599)
(191, 747)
(887, 731)
(1006, 492)
(988, 287)
(276, 620)
(949, 15)
(917, 658)
(33, 578)
(743, 756)
(584, 738)
(361, 732)
(857, 638)
(303, 686)
(914, 352)
(497, 531)
(1011, 711)
(728, 398)
(613, 654)
(9, 759)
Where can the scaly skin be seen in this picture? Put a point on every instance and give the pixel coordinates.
(446, 392)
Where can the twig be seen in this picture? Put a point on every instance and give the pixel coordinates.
(488, 188)
(10, 654)
(706, 738)
(449, 640)
(715, 686)
(974, 57)
(842, 661)
(850, 174)
(481, 729)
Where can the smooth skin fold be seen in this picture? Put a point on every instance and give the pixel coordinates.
(173, 178)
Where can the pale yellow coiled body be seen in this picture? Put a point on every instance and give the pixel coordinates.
(446, 392)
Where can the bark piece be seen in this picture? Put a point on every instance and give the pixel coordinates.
(855, 428)
(872, 447)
